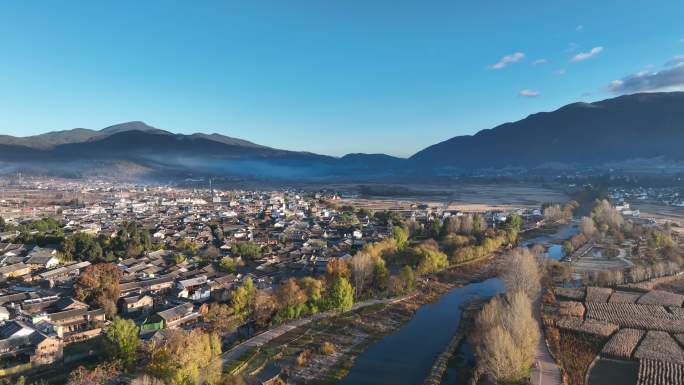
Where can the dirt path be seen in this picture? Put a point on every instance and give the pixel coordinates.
(545, 370)
(265, 337)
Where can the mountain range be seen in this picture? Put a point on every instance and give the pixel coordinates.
(639, 132)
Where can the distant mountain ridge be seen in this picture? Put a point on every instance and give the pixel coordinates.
(644, 131)
(639, 126)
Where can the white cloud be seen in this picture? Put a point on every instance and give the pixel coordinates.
(561, 71)
(579, 28)
(527, 93)
(669, 78)
(506, 60)
(539, 62)
(586, 55)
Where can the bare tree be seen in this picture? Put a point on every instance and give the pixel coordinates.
(587, 227)
(521, 273)
(362, 269)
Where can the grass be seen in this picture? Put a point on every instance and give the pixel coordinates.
(576, 353)
(241, 362)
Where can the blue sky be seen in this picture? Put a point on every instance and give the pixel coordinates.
(331, 77)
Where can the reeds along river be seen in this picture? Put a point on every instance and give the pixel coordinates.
(406, 356)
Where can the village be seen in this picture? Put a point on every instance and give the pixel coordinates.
(176, 252)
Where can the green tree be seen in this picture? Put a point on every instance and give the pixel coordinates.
(3, 224)
(513, 224)
(340, 295)
(434, 230)
(408, 278)
(82, 247)
(121, 341)
(243, 298)
(400, 235)
(227, 265)
(380, 276)
(247, 249)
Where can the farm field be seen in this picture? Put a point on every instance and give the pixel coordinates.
(638, 335)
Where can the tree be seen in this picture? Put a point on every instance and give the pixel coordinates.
(505, 338)
(265, 307)
(2, 224)
(400, 235)
(313, 288)
(380, 276)
(362, 270)
(246, 250)
(121, 341)
(337, 267)
(606, 216)
(340, 295)
(513, 224)
(187, 358)
(243, 298)
(98, 285)
(100, 375)
(292, 300)
(227, 264)
(587, 227)
(431, 260)
(82, 247)
(406, 275)
(434, 230)
(553, 213)
(521, 273)
(221, 318)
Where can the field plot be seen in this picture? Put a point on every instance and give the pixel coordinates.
(653, 372)
(624, 297)
(623, 343)
(646, 317)
(638, 335)
(660, 346)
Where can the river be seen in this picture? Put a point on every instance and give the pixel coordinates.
(407, 355)
(554, 249)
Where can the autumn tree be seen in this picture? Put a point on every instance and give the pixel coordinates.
(265, 307)
(292, 300)
(98, 285)
(243, 298)
(100, 375)
(337, 267)
(186, 358)
(587, 227)
(121, 341)
(221, 318)
(606, 216)
(505, 338)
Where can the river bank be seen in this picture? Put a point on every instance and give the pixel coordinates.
(299, 351)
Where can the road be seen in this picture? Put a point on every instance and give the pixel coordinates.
(268, 335)
(545, 370)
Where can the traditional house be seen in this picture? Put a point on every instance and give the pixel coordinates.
(134, 304)
(176, 316)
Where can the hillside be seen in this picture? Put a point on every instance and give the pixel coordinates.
(639, 126)
(641, 132)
